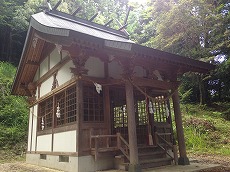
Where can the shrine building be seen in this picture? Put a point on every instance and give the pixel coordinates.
(98, 100)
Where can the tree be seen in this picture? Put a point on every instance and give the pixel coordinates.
(10, 45)
(187, 28)
(13, 110)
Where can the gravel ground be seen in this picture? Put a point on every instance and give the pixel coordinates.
(224, 161)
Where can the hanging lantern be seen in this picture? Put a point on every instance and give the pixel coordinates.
(42, 124)
(58, 114)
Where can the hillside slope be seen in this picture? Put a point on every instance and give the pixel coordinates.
(207, 131)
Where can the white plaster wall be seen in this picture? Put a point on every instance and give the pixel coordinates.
(64, 73)
(44, 142)
(65, 142)
(44, 66)
(55, 57)
(65, 53)
(46, 86)
(30, 129)
(139, 71)
(95, 67)
(34, 129)
(36, 77)
(115, 70)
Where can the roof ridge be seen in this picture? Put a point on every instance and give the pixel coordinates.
(87, 23)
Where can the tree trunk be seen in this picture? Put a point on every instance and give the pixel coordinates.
(10, 46)
(201, 89)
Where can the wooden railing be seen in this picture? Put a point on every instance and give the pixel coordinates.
(166, 148)
(103, 143)
(105, 146)
(123, 146)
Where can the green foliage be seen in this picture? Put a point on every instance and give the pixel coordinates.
(206, 129)
(13, 110)
(196, 29)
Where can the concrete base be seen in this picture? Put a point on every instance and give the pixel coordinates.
(183, 161)
(134, 168)
(75, 164)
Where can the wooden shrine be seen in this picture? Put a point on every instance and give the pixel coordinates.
(98, 100)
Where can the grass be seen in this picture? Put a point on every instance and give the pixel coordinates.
(7, 156)
(207, 128)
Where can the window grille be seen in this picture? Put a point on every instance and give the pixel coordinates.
(66, 100)
(45, 114)
(93, 105)
(141, 112)
(71, 105)
(60, 100)
(160, 109)
(120, 116)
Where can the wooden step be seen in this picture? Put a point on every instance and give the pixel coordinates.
(164, 134)
(149, 157)
(147, 149)
(152, 155)
(150, 163)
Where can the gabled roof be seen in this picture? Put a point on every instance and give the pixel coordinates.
(60, 28)
(61, 24)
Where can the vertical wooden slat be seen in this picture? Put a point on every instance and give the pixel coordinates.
(96, 148)
(118, 140)
(31, 131)
(53, 124)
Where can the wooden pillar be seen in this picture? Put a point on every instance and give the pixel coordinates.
(79, 97)
(183, 159)
(134, 165)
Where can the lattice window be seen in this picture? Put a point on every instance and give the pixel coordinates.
(45, 114)
(71, 105)
(161, 111)
(66, 100)
(67, 103)
(120, 116)
(141, 112)
(60, 100)
(93, 105)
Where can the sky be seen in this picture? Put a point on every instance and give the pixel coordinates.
(139, 1)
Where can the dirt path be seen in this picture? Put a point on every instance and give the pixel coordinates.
(23, 167)
(212, 159)
(209, 159)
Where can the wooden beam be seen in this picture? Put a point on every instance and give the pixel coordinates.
(102, 81)
(164, 85)
(142, 82)
(53, 70)
(29, 62)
